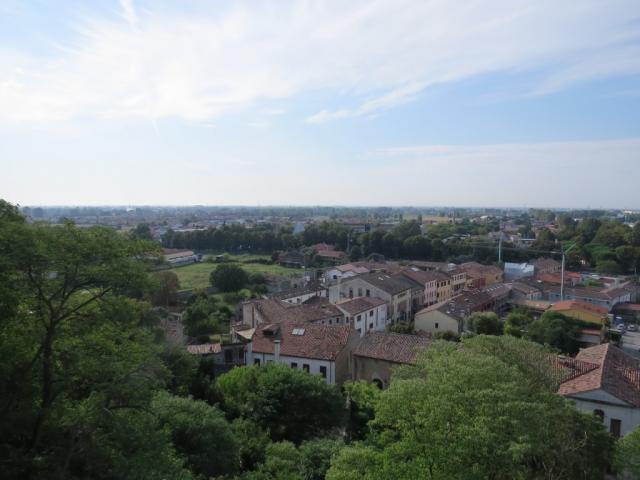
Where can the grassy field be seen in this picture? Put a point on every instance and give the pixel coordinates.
(196, 275)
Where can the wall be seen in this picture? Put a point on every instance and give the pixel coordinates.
(426, 322)
(370, 369)
(314, 365)
(612, 408)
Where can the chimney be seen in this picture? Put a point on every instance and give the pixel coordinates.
(276, 351)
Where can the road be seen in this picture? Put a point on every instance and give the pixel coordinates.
(631, 343)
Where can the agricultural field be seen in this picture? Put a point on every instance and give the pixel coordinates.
(196, 275)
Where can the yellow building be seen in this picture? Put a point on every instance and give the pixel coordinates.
(587, 312)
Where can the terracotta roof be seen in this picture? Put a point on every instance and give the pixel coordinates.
(331, 254)
(350, 267)
(322, 247)
(544, 263)
(392, 347)
(320, 342)
(204, 349)
(615, 372)
(578, 305)
(497, 290)
(421, 277)
(311, 287)
(591, 292)
(353, 306)
(277, 311)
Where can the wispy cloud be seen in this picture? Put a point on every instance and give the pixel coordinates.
(374, 55)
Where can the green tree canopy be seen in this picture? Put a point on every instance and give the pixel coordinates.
(517, 323)
(557, 331)
(467, 414)
(486, 323)
(289, 404)
(229, 277)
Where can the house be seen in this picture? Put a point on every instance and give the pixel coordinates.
(499, 294)
(514, 271)
(545, 265)
(315, 310)
(344, 271)
(587, 312)
(175, 257)
(317, 349)
(527, 290)
(364, 314)
(570, 278)
(394, 290)
(377, 354)
(302, 294)
(450, 314)
(479, 275)
(334, 257)
(609, 387)
(427, 281)
(607, 298)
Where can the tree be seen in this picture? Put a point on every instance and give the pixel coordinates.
(627, 454)
(356, 253)
(141, 232)
(289, 404)
(166, 289)
(485, 323)
(62, 279)
(228, 277)
(417, 247)
(627, 257)
(557, 331)
(608, 267)
(361, 400)
(200, 433)
(469, 414)
(516, 323)
(635, 235)
(406, 229)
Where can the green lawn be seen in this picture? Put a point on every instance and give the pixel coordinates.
(196, 275)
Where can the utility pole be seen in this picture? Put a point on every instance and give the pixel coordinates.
(500, 249)
(564, 254)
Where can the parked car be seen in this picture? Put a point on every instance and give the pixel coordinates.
(632, 328)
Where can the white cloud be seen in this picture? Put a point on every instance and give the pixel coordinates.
(129, 12)
(374, 55)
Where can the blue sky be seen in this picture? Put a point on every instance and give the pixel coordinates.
(493, 103)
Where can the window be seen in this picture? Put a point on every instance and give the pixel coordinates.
(359, 292)
(329, 321)
(256, 361)
(305, 367)
(351, 293)
(371, 325)
(323, 372)
(359, 317)
(371, 313)
(241, 354)
(437, 324)
(615, 427)
(228, 356)
(294, 365)
(368, 292)
(360, 331)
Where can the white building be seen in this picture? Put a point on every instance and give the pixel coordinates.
(365, 314)
(608, 385)
(514, 271)
(317, 349)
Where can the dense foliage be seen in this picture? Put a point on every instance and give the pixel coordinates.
(468, 414)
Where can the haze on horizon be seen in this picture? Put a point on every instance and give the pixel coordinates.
(488, 104)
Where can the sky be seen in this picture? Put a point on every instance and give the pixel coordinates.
(402, 103)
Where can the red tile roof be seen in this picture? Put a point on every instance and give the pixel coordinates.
(392, 347)
(319, 342)
(578, 305)
(359, 304)
(616, 373)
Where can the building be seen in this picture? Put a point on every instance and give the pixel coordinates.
(478, 275)
(314, 310)
(427, 280)
(450, 314)
(344, 271)
(317, 349)
(334, 257)
(377, 354)
(176, 257)
(527, 290)
(546, 265)
(607, 298)
(587, 312)
(302, 294)
(364, 314)
(394, 290)
(293, 258)
(609, 387)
